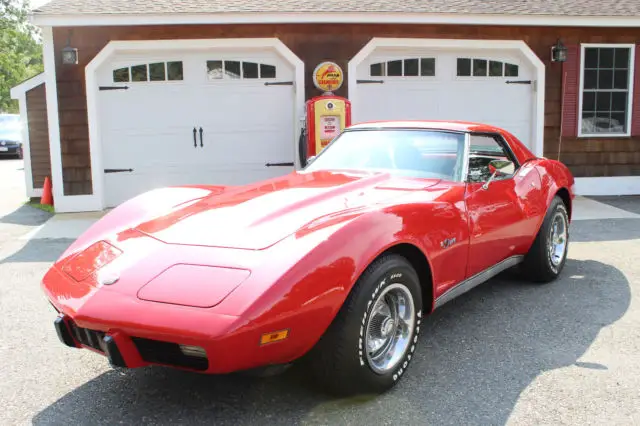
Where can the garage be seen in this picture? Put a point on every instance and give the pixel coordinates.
(173, 117)
(417, 80)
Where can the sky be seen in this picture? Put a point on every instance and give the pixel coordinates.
(38, 3)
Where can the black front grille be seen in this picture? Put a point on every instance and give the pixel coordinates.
(91, 338)
(158, 352)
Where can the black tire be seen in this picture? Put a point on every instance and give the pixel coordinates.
(339, 361)
(538, 266)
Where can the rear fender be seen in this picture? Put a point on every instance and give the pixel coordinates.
(555, 176)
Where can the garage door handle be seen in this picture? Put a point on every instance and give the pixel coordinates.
(279, 164)
(518, 81)
(195, 141)
(201, 145)
(117, 170)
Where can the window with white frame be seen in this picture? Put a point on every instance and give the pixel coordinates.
(606, 75)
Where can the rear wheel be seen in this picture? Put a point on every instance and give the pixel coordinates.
(547, 256)
(371, 342)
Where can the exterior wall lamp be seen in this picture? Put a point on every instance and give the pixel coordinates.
(69, 54)
(558, 52)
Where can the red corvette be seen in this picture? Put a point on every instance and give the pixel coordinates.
(335, 265)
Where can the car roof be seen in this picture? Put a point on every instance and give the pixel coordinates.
(453, 126)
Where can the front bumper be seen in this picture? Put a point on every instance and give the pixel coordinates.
(10, 149)
(126, 352)
(134, 333)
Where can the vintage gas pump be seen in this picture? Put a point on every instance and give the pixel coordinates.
(327, 115)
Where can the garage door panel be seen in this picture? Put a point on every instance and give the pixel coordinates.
(257, 106)
(465, 84)
(149, 127)
(169, 146)
(398, 102)
(140, 109)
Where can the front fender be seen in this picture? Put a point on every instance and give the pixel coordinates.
(323, 266)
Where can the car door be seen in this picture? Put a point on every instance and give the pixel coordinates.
(500, 222)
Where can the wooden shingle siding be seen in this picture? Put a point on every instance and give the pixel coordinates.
(569, 94)
(339, 43)
(38, 135)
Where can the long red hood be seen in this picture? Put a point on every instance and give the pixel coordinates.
(259, 215)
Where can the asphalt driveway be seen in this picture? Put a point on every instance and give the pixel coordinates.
(505, 353)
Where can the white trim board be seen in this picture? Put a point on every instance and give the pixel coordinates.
(27, 85)
(618, 185)
(96, 201)
(19, 92)
(342, 17)
(51, 86)
(537, 136)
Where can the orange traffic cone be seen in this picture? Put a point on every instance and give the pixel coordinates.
(47, 196)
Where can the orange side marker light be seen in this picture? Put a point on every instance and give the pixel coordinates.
(273, 337)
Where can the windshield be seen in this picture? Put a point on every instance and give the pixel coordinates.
(407, 152)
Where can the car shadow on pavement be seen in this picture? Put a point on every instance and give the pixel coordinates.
(34, 251)
(598, 230)
(26, 216)
(477, 354)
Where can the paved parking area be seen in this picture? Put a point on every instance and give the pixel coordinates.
(504, 353)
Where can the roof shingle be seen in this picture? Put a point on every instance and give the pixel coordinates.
(599, 8)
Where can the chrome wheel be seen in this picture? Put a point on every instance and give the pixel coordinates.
(557, 244)
(389, 328)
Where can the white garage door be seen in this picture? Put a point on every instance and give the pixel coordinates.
(213, 117)
(488, 86)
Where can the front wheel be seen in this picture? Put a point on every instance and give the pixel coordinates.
(371, 342)
(548, 254)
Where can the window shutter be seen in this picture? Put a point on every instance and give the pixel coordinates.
(571, 88)
(635, 111)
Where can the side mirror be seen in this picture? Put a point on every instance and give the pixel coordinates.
(499, 168)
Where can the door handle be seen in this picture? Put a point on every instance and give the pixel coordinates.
(195, 144)
(201, 145)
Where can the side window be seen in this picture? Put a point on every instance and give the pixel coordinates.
(484, 149)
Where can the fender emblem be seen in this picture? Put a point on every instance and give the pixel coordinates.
(448, 243)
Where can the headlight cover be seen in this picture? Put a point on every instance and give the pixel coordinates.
(196, 286)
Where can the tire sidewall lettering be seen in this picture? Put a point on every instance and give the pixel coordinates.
(387, 279)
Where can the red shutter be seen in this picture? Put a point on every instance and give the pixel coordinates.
(635, 111)
(571, 88)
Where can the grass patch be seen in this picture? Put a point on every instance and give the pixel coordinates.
(44, 207)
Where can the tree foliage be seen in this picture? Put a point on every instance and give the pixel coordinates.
(20, 50)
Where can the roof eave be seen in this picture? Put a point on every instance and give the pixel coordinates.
(71, 20)
(27, 85)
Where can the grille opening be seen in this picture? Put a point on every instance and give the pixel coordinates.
(158, 352)
(87, 337)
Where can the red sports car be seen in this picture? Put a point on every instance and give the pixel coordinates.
(335, 265)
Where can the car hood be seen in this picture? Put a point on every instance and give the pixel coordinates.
(259, 215)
